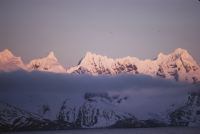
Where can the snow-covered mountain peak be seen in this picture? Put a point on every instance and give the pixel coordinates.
(180, 51)
(93, 64)
(92, 59)
(51, 55)
(178, 65)
(6, 54)
(49, 64)
(184, 56)
(177, 54)
(89, 54)
(161, 56)
(9, 62)
(88, 57)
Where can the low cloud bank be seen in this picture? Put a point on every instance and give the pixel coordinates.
(32, 89)
(28, 81)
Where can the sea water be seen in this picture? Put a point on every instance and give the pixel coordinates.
(165, 130)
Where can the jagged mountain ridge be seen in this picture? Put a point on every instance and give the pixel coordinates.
(49, 64)
(9, 62)
(178, 65)
(12, 118)
(98, 110)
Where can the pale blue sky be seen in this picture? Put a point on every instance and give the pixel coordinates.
(116, 28)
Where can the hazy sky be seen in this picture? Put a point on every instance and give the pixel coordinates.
(116, 28)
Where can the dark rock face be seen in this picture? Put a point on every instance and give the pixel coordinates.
(81, 70)
(35, 66)
(160, 72)
(125, 68)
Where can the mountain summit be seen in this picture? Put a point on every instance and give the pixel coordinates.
(51, 55)
(178, 65)
(48, 64)
(6, 54)
(9, 62)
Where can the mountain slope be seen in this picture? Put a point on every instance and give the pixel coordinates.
(9, 62)
(12, 118)
(48, 64)
(97, 110)
(15, 119)
(178, 65)
(189, 114)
